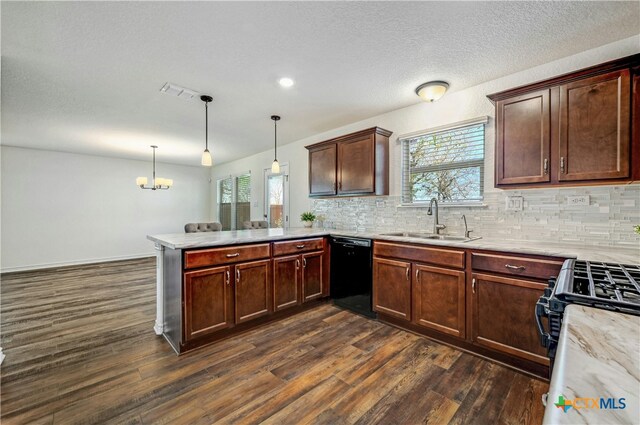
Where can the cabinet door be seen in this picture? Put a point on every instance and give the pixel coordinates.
(504, 316)
(392, 288)
(286, 282)
(207, 296)
(322, 170)
(523, 139)
(438, 299)
(356, 166)
(595, 127)
(312, 276)
(253, 290)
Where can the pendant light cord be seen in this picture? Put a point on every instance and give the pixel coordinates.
(206, 125)
(275, 140)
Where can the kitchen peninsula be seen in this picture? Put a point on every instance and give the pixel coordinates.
(214, 284)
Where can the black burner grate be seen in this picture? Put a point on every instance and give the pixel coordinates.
(603, 281)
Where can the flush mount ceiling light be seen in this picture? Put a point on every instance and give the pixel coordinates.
(157, 183)
(275, 166)
(206, 161)
(432, 91)
(181, 92)
(286, 82)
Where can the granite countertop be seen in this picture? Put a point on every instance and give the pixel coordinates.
(598, 356)
(623, 255)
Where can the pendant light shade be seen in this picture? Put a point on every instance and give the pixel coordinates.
(275, 166)
(432, 91)
(206, 160)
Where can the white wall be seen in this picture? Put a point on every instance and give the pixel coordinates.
(60, 208)
(453, 107)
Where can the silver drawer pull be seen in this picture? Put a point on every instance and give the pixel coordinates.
(473, 285)
(520, 268)
(407, 273)
(228, 278)
(237, 254)
(300, 246)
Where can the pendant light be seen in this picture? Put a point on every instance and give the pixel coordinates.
(432, 91)
(207, 161)
(275, 166)
(156, 183)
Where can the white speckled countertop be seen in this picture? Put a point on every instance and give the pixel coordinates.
(598, 356)
(548, 248)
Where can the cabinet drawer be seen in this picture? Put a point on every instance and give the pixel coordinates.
(517, 266)
(227, 255)
(442, 257)
(299, 245)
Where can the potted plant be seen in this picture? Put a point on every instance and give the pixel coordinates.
(637, 229)
(308, 218)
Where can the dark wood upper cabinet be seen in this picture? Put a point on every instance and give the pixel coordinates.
(595, 127)
(351, 165)
(577, 128)
(523, 138)
(208, 301)
(322, 170)
(356, 166)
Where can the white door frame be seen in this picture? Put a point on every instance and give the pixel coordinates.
(284, 170)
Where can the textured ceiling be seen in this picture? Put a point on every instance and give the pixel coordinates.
(85, 76)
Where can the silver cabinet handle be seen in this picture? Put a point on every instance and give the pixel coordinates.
(237, 275)
(418, 275)
(407, 273)
(511, 267)
(473, 285)
(562, 164)
(546, 166)
(228, 278)
(297, 264)
(237, 254)
(304, 262)
(300, 246)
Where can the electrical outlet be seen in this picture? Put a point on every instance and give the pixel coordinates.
(578, 200)
(514, 203)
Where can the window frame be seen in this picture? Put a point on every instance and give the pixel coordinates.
(406, 171)
(234, 197)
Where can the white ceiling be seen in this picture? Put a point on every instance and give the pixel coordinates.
(85, 76)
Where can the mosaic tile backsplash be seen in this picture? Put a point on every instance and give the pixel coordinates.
(607, 220)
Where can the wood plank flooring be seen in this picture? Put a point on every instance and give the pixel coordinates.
(81, 349)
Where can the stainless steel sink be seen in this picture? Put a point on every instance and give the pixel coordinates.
(433, 236)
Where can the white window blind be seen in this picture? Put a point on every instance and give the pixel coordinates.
(446, 164)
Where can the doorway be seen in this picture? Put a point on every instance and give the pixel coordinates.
(276, 202)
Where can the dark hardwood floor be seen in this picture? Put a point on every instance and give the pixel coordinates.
(81, 349)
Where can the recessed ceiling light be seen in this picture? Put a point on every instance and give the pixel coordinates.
(285, 82)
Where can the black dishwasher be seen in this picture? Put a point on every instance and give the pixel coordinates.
(351, 274)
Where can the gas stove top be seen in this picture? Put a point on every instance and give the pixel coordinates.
(601, 285)
(607, 286)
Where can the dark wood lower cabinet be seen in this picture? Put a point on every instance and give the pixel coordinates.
(504, 316)
(208, 301)
(286, 282)
(252, 290)
(439, 299)
(312, 276)
(392, 288)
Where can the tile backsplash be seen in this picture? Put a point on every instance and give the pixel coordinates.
(546, 215)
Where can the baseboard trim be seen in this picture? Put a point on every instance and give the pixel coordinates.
(7, 270)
